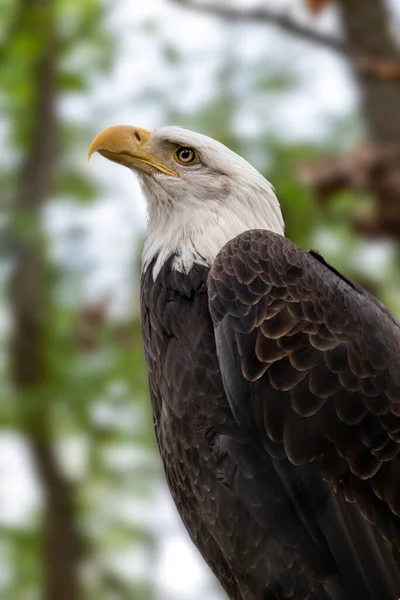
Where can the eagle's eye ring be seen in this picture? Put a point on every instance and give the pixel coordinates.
(186, 156)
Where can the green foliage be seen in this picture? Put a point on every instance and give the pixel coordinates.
(299, 211)
(94, 365)
(80, 41)
(21, 547)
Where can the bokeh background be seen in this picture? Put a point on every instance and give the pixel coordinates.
(309, 92)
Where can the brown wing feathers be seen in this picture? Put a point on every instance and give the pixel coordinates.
(321, 362)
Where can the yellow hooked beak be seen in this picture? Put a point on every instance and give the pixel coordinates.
(126, 145)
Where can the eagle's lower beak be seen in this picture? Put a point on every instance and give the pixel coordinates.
(124, 144)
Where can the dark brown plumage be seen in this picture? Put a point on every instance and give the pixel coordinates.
(275, 385)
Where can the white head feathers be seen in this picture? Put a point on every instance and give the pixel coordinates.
(210, 203)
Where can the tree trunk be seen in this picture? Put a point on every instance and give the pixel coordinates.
(63, 547)
(368, 36)
(366, 28)
(29, 306)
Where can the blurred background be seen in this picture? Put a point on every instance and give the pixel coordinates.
(309, 92)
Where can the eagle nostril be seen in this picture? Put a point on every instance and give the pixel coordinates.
(137, 136)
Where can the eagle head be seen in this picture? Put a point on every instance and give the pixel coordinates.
(199, 193)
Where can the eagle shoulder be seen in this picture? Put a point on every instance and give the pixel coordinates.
(311, 367)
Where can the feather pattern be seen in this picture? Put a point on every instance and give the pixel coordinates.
(284, 476)
(310, 367)
(339, 377)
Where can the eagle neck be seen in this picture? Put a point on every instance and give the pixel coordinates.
(195, 233)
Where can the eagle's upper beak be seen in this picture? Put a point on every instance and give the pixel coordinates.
(127, 146)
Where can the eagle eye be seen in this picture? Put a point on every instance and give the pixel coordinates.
(186, 156)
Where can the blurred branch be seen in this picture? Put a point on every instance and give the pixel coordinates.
(365, 64)
(35, 182)
(29, 308)
(356, 170)
(369, 169)
(265, 15)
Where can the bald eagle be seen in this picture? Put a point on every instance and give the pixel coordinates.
(274, 382)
